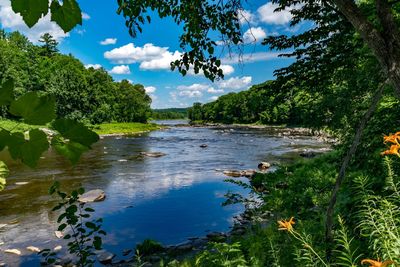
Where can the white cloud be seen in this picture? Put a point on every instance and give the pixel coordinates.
(150, 89)
(122, 69)
(227, 69)
(161, 63)
(94, 66)
(267, 14)
(194, 87)
(246, 17)
(109, 41)
(252, 57)
(10, 20)
(212, 90)
(214, 98)
(254, 35)
(235, 83)
(191, 94)
(85, 16)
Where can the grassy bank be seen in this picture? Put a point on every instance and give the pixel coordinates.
(15, 126)
(125, 128)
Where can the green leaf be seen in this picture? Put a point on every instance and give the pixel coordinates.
(30, 10)
(71, 150)
(28, 151)
(3, 175)
(4, 137)
(34, 109)
(75, 132)
(33, 149)
(97, 242)
(67, 16)
(7, 92)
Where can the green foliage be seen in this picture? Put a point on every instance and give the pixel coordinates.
(148, 247)
(3, 175)
(169, 114)
(7, 92)
(221, 254)
(67, 14)
(125, 128)
(85, 235)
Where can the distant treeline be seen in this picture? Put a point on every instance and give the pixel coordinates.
(88, 95)
(260, 104)
(170, 114)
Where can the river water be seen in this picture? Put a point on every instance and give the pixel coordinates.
(169, 199)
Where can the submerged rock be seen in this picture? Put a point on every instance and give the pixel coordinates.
(308, 154)
(13, 251)
(152, 154)
(105, 257)
(216, 237)
(263, 165)
(92, 196)
(203, 145)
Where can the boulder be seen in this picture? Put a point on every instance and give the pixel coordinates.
(263, 165)
(216, 237)
(57, 248)
(232, 173)
(203, 145)
(33, 249)
(92, 196)
(105, 257)
(184, 247)
(248, 173)
(13, 251)
(152, 154)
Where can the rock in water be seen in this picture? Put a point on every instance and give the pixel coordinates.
(152, 154)
(264, 165)
(58, 248)
(59, 234)
(233, 173)
(13, 251)
(92, 196)
(105, 257)
(21, 183)
(308, 154)
(249, 173)
(203, 145)
(33, 249)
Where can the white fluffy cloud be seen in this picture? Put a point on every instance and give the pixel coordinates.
(213, 98)
(94, 66)
(191, 94)
(10, 20)
(212, 90)
(236, 83)
(85, 16)
(246, 17)
(194, 87)
(150, 89)
(109, 41)
(151, 57)
(266, 14)
(254, 35)
(122, 69)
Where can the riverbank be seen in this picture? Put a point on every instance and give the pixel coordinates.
(125, 128)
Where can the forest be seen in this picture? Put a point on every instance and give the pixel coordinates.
(88, 95)
(326, 198)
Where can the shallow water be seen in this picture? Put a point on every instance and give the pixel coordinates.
(169, 199)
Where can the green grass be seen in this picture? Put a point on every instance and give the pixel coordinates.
(15, 126)
(125, 128)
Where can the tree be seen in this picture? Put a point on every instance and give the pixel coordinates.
(49, 44)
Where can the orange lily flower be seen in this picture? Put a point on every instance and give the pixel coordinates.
(394, 150)
(374, 263)
(393, 138)
(286, 225)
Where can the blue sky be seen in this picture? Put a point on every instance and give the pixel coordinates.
(103, 41)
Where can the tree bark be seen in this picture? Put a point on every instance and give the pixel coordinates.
(386, 44)
(342, 172)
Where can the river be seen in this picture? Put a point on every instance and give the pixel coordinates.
(169, 199)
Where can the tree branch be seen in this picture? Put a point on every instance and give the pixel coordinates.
(342, 172)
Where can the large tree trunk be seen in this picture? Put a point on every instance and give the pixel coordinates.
(384, 44)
